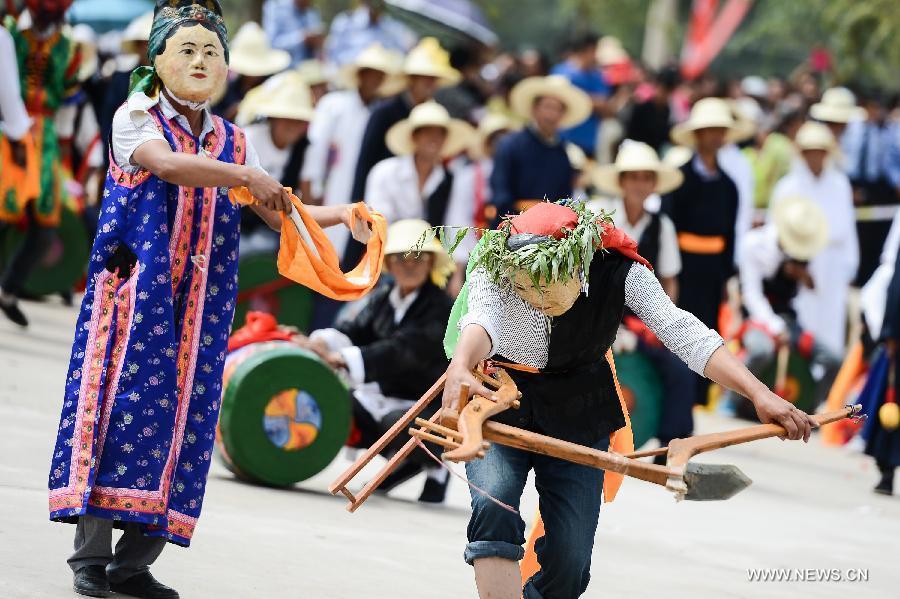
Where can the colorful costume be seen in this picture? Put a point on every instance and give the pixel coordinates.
(48, 68)
(144, 383)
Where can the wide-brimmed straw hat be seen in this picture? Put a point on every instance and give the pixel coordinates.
(377, 58)
(85, 38)
(610, 51)
(404, 236)
(637, 156)
(313, 72)
(253, 55)
(815, 136)
(709, 113)
(284, 96)
(429, 59)
(489, 125)
(802, 227)
(838, 105)
(577, 102)
(429, 114)
(137, 31)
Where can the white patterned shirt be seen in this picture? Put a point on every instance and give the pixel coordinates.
(521, 333)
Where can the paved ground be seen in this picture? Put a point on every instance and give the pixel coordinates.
(810, 507)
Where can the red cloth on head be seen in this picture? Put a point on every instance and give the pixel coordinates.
(552, 220)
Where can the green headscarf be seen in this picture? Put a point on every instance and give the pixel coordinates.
(169, 15)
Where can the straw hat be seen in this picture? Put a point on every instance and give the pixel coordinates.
(137, 31)
(578, 103)
(815, 136)
(677, 156)
(489, 125)
(802, 227)
(313, 72)
(577, 158)
(610, 51)
(838, 105)
(429, 114)
(429, 59)
(86, 39)
(403, 237)
(253, 55)
(377, 58)
(708, 113)
(284, 96)
(637, 156)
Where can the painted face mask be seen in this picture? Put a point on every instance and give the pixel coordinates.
(192, 66)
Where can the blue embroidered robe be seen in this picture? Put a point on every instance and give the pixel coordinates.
(145, 378)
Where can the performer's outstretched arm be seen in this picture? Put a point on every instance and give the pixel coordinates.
(703, 351)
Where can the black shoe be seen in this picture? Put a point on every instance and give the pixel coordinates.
(91, 581)
(400, 475)
(434, 491)
(886, 485)
(144, 586)
(66, 297)
(12, 311)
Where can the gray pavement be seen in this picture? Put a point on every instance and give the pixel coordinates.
(809, 507)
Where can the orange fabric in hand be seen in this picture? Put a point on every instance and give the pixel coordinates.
(312, 261)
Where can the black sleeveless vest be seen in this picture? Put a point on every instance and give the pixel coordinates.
(574, 397)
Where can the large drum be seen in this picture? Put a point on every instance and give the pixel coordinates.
(285, 414)
(642, 390)
(263, 289)
(64, 262)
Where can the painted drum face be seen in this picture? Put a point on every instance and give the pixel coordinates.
(193, 64)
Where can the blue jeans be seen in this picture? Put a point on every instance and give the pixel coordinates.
(570, 497)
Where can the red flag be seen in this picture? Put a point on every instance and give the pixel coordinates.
(708, 34)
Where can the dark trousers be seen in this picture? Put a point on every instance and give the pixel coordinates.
(872, 233)
(679, 384)
(27, 256)
(134, 553)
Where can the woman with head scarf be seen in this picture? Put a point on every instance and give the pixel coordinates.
(145, 379)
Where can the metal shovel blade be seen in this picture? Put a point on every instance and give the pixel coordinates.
(713, 482)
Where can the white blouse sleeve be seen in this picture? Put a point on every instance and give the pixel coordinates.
(680, 331)
(485, 307)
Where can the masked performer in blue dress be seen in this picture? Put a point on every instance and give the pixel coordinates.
(142, 393)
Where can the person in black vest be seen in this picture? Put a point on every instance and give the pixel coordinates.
(775, 264)
(567, 386)
(415, 183)
(391, 350)
(704, 210)
(633, 178)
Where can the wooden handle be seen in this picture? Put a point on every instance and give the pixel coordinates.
(475, 414)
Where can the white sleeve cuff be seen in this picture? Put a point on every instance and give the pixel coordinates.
(485, 323)
(333, 338)
(356, 368)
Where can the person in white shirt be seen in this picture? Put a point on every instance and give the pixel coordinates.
(471, 191)
(823, 310)
(335, 134)
(774, 268)
(414, 183)
(278, 113)
(634, 178)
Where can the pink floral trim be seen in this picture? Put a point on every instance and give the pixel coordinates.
(125, 316)
(89, 394)
(190, 335)
(180, 524)
(124, 179)
(240, 145)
